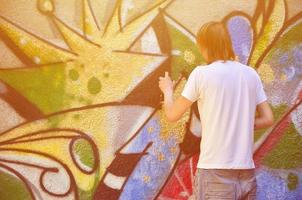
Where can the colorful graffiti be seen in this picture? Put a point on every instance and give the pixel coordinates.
(81, 117)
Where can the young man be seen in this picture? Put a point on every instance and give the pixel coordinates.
(228, 94)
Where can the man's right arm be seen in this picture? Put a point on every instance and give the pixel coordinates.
(265, 117)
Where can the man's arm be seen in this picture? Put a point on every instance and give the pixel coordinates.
(175, 110)
(265, 116)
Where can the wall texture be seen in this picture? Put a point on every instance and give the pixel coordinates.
(80, 106)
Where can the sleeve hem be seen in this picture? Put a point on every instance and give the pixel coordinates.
(187, 97)
(261, 101)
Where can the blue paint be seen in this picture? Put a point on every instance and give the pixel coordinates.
(272, 185)
(149, 166)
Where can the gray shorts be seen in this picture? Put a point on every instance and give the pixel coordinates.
(218, 184)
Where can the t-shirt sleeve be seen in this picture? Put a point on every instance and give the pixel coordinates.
(191, 90)
(260, 93)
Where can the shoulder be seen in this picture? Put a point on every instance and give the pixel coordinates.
(196, 73)
(201, 69)
(248, 69)
(197, 70)
(252, 73)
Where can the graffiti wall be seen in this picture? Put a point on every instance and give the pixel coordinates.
(80, 107)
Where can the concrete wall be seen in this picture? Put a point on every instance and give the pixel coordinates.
(80, 106)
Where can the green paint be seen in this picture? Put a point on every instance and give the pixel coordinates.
(84, 100)
(84, 150)
(85, 195)
(54, 121)
(85, 153)
(181, 43)
(278, 112)
(81, 99)
(43, 86)
(12, 188)
(291, 38)
(292, 181)
(287, 41)
(76, 116)
(89, 102)
(258, 133)
(73, 74)
(288, 152)
(88, 195)
(94, 85)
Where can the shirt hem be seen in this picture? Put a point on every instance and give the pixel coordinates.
(225, 166)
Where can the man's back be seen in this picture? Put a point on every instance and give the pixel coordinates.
(227, 94)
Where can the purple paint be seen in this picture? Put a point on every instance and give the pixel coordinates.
(241, 34)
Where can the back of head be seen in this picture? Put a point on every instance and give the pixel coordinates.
(214, 42)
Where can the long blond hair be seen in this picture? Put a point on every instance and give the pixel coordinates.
(215, 38)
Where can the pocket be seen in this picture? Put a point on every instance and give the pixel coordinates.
(216, 190)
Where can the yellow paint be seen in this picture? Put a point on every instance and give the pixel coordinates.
(173, 150)
(161, 156)
(150, 129)
(283, 77)
(102, 52)
(266, 73)
(189, 57)
(46, 5)
(259, 23)
(271, 28)
(32, 46)
(91, 28)
(57, 148)
(93, 122)
(146, 179)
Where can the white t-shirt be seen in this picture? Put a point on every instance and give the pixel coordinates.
(227, 94)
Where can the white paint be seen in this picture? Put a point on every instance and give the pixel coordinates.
(135, 124)
(56, 182)
(176, 52)
(158, 60)
(9, 117)
(126, 6)
(149, 42)
(113, 181)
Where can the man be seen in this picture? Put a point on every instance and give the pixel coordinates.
(228, 95)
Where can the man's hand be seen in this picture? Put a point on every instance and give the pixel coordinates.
(165, 84)
(173, 110)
